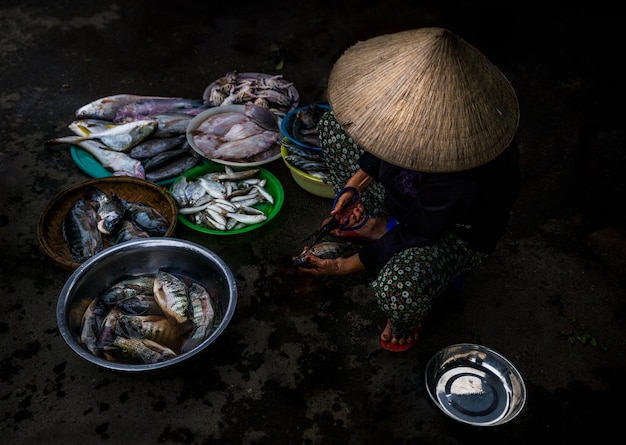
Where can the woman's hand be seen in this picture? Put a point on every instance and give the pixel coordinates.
(336, 266)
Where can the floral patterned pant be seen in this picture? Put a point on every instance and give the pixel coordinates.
(407, 286)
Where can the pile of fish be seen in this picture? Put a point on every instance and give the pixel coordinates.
(149, 318)
(237, 136)
(97, 218)
(309, 161)
(223, 200)
(138, 136)
(271, 92)
(302, 124)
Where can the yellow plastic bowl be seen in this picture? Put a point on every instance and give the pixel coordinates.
(309, 183)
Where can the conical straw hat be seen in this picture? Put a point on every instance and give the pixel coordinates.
(423, 99)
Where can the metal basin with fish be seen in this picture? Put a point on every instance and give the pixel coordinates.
(139, 258)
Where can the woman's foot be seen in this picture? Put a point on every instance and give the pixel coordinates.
(399, 344)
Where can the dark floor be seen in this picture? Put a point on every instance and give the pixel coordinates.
(300, 362)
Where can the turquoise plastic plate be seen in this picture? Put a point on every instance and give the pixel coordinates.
(273, 186)
(90, 165)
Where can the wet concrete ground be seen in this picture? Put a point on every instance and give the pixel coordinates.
(300, 362)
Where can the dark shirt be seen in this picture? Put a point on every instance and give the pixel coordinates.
(475, 204)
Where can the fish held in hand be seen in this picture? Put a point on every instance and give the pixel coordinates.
(325, 250)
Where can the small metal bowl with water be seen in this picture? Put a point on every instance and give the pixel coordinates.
(142, 257)
(475, 385)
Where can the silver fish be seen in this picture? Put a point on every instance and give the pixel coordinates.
(107, 107)
(247, 218)
(153, 327)
(163, 159)
(171, 124)
(154, 146)
(120, 164)
(80, 231)
(120, 137)
(178, 192)
(143, 108)
(174, 168)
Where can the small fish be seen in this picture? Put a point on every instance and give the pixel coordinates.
(172, 295)
(109, 211)
(247, 218)
(80, 231)
(178, 192)
(305, 164)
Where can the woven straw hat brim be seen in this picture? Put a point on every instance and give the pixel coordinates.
(425, 100)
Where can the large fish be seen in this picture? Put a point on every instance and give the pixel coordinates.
(173, 296)
(106, 108)
(152, 106)
(80, 231)
(153, 327)
(119, 137)
(137, 350)
(127, 231)
(174, 168)
(109, 211)
(91, 325)
(202, 315)
(146, 217)
(120, 164)
(128, 288)
(154, 146)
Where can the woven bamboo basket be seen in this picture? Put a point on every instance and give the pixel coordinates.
(49, 228)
